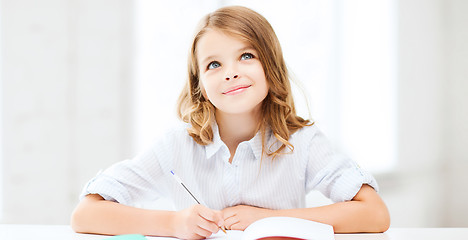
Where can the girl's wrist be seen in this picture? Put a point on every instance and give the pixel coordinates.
(164, 223)
(171, 223)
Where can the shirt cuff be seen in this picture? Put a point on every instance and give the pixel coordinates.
(108, 188)
(350, 182)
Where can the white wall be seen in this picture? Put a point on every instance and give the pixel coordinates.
(66, 68)
(65, 101)
(429, 187)
(419, 136)
(455, 156)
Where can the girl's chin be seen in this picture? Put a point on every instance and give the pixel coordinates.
(238, 110)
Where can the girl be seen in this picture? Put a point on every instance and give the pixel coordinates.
(242, 151)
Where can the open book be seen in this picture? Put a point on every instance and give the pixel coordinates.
(276, 228)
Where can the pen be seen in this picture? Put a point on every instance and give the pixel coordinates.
(177, 178)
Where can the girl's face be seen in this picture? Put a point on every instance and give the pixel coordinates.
(231, 75)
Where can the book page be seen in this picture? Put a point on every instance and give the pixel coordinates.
(292, 228)
(231, 235)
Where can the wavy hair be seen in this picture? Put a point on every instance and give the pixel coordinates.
(278, 109)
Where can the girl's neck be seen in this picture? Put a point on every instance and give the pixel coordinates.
(236, 128)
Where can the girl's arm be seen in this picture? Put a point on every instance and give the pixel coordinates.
(366, 212)
(96, 215)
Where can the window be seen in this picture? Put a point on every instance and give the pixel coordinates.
(341, 53)
(367, 82)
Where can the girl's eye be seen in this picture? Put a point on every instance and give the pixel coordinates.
(214, 65)
(247, 56)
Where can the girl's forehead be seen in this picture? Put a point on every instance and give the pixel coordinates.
(213, 36)
(214, 43)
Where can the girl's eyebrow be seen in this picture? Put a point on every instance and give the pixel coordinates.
(246, 48)
(208, 58)
(243, 49)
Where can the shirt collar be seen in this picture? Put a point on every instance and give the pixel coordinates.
(217, 143)
(255, 143)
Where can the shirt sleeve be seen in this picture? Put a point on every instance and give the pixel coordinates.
(129, 182)
(333, 174)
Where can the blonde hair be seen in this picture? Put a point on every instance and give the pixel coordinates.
(278, 109)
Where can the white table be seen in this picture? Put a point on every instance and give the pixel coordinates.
(64, 232)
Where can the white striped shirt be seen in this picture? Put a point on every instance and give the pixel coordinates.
(281, 183)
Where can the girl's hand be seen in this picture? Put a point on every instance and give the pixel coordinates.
(197, 222)
(241, 216)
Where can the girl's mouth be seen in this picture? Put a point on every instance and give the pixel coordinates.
(236, 90)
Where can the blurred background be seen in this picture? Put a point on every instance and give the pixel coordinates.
(85, 84)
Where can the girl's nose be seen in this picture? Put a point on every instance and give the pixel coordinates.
(233, 77)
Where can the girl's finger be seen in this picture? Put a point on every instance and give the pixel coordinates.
(203, 232)
(230, 221)
(237, 226)
(211, 215)
(207, 225)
